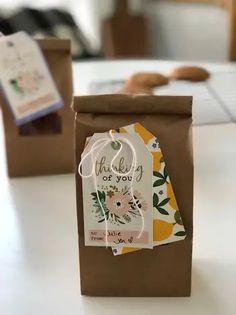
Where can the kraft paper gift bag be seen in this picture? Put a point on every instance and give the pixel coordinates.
(164, 270)
(45, 145)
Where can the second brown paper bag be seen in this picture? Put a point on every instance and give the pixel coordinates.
(44, 146)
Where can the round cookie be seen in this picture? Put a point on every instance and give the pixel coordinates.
(189, 73)
(147, 79)
(136, 90)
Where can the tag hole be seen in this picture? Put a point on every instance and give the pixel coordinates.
(115, 145)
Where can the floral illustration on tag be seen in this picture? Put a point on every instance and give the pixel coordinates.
(26, 83)
(118, 206)
(116, 176)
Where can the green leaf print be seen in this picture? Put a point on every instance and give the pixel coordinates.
(159, 182)
(158, 205)
(165, 172)
(180, 233)
(102, 196)
(163, 202)
(178, 218)
(155, 200)
(162, 211)
(94, 196)
(158, 174)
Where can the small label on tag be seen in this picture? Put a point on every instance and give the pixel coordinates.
(25, 79)
(117, 208)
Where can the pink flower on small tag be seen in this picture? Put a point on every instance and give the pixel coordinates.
(26, 82)
(118, 204)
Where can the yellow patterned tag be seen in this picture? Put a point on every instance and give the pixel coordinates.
(167, 223)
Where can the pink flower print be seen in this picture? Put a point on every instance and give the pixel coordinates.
(118, 204)
(139, 201)
(143, 205)
(138, 195)
(26, 82)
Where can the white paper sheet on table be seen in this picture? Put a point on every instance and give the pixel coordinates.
(214, 101)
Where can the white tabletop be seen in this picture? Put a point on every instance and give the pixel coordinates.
(99, 70)
(38, 240)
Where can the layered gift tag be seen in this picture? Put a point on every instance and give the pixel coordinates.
(25, 79)
(111, 213)
(128, 198)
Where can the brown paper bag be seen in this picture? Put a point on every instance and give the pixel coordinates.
(165, 270)
(44, 146)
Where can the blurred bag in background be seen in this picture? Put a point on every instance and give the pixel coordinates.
(45, 145)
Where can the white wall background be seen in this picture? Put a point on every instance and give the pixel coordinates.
(187, 31)
(175, 31)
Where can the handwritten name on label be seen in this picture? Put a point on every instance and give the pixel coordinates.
(118, 237)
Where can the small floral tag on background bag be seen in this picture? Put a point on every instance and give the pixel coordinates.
(117, 203)
(25, 79)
